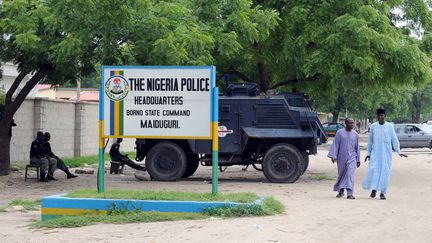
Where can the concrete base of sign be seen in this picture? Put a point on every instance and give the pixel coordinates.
(60, 205)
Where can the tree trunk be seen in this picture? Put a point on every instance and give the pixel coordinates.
(417, 105)
(335, 116)
(264, 83)
(338, 107)
(7, 113)
(417, 112)
(4, 148)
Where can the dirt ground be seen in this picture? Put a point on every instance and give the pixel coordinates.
(313, 214)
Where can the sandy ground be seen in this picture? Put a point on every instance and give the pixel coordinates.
(313, 214)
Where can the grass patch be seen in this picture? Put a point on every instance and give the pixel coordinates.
(164, 195)
(320, 177)
(269, 206)
(116, 215)
(82, 161)
(28, 205)
(132, 217)
(74, 162)
(19, 166)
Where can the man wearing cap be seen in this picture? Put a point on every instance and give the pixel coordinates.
(382, 141)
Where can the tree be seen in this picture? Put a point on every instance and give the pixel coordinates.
(201, 32)
(317, 46)
(421, 101)
(196, 32)
(57, 41)
(242, 27)
(405, 103)
(318, 43)
(334, 49)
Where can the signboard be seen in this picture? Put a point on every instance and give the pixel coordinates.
(157, 102)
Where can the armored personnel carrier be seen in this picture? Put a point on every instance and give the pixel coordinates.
(274, 133)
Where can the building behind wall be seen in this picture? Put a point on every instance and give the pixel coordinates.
(10, 73)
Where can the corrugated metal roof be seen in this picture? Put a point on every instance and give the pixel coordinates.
(87, 96)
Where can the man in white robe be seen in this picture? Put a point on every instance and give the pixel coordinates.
(382, 141)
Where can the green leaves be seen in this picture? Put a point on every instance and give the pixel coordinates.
(321, 47)
(228, 45)
(27, 41)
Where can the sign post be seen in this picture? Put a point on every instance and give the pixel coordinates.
(215, 141)
(158, 102)
(101, 142)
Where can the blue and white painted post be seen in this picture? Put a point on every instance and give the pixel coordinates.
(101, 166)
(215, 140)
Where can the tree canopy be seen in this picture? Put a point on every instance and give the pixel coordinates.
(331, 49)
(57, 41)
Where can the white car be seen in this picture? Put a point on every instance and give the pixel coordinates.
(414, 135)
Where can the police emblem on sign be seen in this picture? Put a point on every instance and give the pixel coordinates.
(116, 87)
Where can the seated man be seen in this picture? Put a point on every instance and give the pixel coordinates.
(38, 157)
(60, 163)
(123, 159)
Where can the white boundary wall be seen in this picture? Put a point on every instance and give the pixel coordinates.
(73, 127)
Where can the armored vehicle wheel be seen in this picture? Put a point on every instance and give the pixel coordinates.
(192, 165)
(282, 163)
(166, 161)
(305, 163)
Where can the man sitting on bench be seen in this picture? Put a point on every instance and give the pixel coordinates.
(60, 163)
(116, 156)
(38, 157)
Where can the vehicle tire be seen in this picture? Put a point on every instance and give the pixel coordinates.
(305, 163)
(192, 165)
(166, 161)
(282, 163)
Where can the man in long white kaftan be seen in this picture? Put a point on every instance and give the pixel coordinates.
(382, 141)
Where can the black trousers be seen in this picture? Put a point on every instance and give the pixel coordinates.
(125, 160)
(61, 165)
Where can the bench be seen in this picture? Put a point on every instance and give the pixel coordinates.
(31, 167)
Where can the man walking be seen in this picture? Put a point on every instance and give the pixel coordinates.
(382, 140)
(346, 151)
(60, 163)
